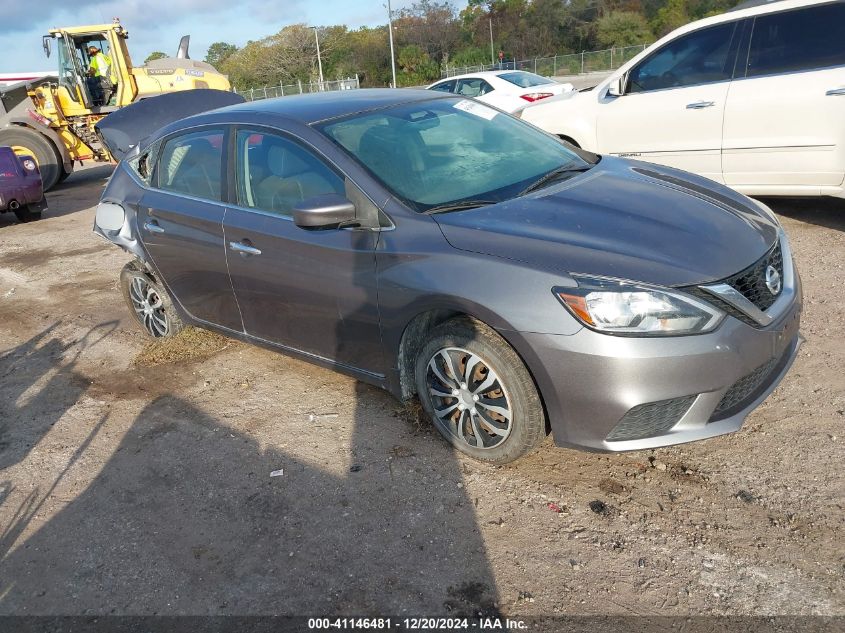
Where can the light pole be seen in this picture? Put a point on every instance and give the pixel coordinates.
(492, 59)
(390, 30)
(319, 61)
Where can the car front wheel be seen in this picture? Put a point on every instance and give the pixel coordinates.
(149, 302)
(478, 392)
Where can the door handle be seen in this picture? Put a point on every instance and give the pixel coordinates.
(153, 227)
(700, 105)
(244, 249)
(836, 92)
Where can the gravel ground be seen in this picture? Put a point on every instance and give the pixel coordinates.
(137, 480)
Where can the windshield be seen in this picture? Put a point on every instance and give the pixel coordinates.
(435, 153)
(525, 80)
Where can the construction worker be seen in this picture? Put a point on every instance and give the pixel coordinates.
(100, 76)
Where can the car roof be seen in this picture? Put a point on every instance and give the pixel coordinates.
(747, 9)
(320, 106)
(485, 73)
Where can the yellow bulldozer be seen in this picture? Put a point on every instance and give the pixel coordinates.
(54, 120)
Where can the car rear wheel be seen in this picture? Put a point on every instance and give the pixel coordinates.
(24, 214)
(26, 141)
(478, 392)
(149, 302)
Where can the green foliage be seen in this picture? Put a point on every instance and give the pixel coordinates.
(155, 55)
(471, 56)
(622, 28)
(430, 34)
(415, 67)
(670, 16)
(219, 52)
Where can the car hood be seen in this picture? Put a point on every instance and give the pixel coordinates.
(124, 129)
(623, 219)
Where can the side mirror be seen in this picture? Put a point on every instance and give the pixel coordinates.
(617, 86)
(324, 211)
(47, 43)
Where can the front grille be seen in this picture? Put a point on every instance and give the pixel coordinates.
(726, 307)
(743, 388)
(751, 282)
(651, 419)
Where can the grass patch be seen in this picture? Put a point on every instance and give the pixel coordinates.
(191, 343)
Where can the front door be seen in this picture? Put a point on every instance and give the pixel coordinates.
(785, 118)
(180, 222)
(672, 109)
(309, 290)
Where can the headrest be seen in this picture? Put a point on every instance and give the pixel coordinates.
(283, 162)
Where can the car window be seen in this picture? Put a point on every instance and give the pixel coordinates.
(446, 86)
(449, 149)
(798, 40)
(524, 79)
(275, 174)
(473, 87)
(701, 57)
(192, 164)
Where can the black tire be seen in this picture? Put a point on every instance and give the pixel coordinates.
(41, 148)
(64, 174)
(24, 214)
(158, 318)
(465, 340)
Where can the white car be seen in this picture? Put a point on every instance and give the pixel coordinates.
(753, 98)
(508, 90)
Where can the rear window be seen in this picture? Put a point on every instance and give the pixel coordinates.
(793, 41)
(524, 79)
(8, 168)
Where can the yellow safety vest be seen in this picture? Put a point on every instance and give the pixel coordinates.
(101, 63)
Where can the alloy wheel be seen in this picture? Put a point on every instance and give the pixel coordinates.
(149, 307)
(469, 400)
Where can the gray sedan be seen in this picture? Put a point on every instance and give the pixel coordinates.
(435, 246)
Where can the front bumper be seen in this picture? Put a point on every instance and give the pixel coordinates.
(672, 389)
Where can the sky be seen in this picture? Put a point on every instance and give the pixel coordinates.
(158, 24)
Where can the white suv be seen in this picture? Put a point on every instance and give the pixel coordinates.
(753, 98)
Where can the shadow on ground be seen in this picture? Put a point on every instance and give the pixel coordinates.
(827, 212)
(185, 518)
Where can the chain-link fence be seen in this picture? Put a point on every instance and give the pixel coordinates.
(572, 64)
(285, 90)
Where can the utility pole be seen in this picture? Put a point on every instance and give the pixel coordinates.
(492, 59)
(390, 30)
(319, 61)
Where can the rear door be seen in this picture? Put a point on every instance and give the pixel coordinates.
(309, 290)
(672, 109)
(180, 222)
(785, 115)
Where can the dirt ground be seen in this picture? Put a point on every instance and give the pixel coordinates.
(137, 480)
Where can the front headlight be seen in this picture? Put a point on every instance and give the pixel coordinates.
(618, 307)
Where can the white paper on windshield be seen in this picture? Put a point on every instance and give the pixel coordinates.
(473, 107)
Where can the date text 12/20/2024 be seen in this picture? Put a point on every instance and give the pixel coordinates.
(417, 624)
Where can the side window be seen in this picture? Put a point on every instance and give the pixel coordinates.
(473, 87)
(701, 57)
(798, 40)
(192, 164)
(142, 164)
(446, 86)
(275, 174)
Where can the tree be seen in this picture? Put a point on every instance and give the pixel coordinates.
(670, 16)
(622, 28)
(219, 52)
(415, 67)
(155, 55)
